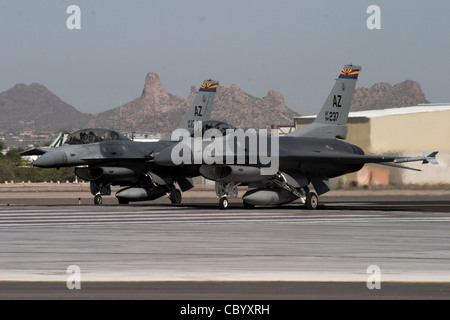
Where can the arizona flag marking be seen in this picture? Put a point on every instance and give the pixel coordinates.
(349, 74)
(208, 87)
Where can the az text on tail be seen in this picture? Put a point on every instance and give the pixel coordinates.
(331, 122)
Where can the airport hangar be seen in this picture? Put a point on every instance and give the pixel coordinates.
(406, 131)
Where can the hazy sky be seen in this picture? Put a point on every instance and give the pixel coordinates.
(295, 47)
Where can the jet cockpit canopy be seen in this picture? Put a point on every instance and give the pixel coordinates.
(213, 124)
(86, 136)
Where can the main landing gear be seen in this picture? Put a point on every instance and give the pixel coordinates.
(175, 196)
(312, 200)
(223, 203)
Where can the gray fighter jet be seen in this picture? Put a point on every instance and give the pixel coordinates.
(308, 156)
(105, 158)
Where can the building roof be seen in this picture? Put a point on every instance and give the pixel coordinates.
(396, 111)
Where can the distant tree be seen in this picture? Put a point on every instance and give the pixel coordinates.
(14, 167)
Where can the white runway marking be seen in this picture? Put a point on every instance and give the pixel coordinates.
(162, 215)
(183, 243)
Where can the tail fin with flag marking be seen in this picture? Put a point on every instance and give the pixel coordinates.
(331, 122)
(201, 106)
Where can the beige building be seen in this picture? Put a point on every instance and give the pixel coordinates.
(407, 131)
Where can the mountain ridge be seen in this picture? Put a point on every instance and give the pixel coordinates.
(34, 108)
(383, 95)
(161, 111)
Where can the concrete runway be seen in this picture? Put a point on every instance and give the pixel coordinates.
(155, 250)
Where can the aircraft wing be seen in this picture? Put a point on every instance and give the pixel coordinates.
(164, 157)
(340, 158)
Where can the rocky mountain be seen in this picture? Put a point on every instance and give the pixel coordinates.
(384, 96)
(246, 111)
(156, 110)
(34, 107)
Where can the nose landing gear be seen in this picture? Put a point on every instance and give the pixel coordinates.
(98, 200)
(99, 189)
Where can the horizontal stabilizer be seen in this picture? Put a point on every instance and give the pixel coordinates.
(340, 158)
(430, 158)
(397, 166)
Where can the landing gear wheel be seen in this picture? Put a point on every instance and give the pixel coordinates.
(223, 203)
(312, 200)
(248, 205)
(98, 200)
(175, 196)
(123, 201)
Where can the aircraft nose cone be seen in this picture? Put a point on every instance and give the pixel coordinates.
(51, 159)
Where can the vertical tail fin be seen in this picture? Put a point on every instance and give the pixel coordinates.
(331, 122)
(59, 141)
(201, 106)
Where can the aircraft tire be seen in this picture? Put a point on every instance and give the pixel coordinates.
(223, 203)
(312, 201)
(175, 196)
(98, 200)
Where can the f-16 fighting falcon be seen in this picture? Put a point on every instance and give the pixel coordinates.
(311, 155)
(105, 158)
